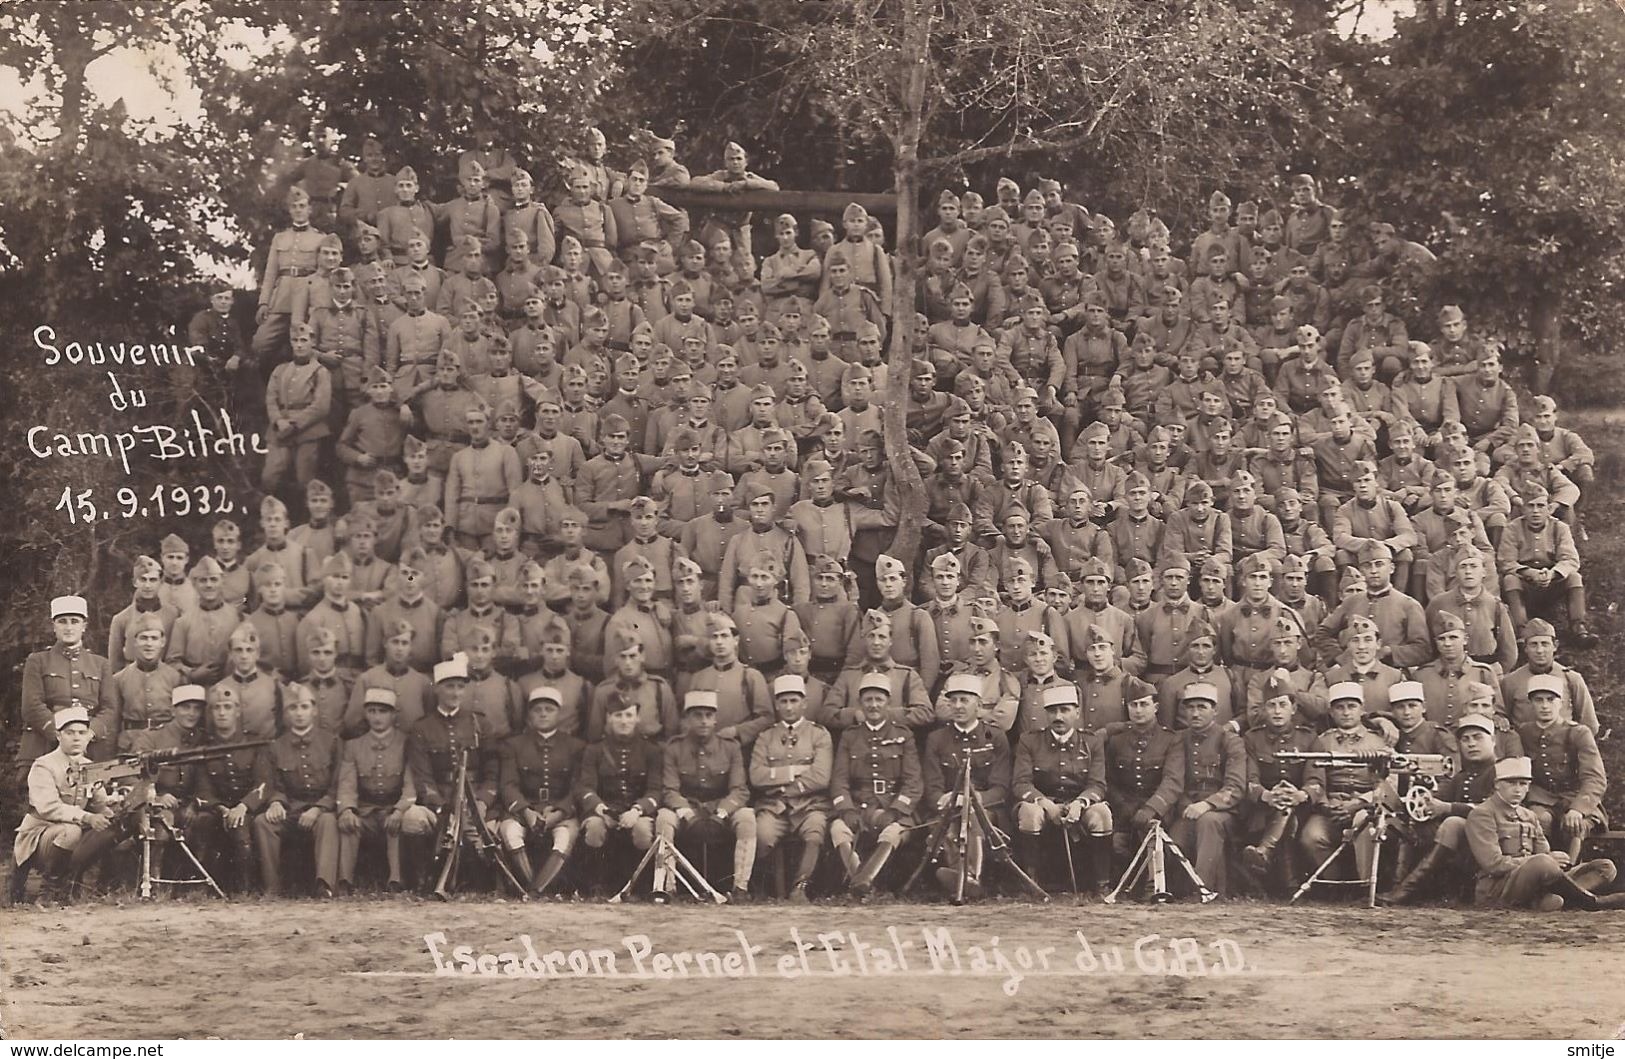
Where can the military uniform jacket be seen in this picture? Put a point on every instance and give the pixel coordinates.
(1467, 787)
(52, 680)
(1145, 766)
(910, 702)
(1264, 770)
(877, 768)
(1568, 768)
(946, 751)
(1577, 701)
(708, 775)
(1215, 767)
(374, 774)
(179, 780)
(141, 698)
(233, 779)
(1502, 836)
(433, 747)
(778, 753)
(1344, 779)
(539, 772)
(301, 771)
(619, 774)
(293, 251)
(1061, 770)
(57, 794)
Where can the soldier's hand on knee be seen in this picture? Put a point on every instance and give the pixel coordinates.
(685, 814)
(392, 823)
(166, 801)
(308, 818)
(533, 819)
(99, 821)
(629, 819)
(275, 813)
(1143, 818)
(235, 817)
(349, 822)
(944, 801)
(1573, 821)
(1197, 810)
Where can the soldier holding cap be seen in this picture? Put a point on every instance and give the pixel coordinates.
(61, 808)
(1516, 865)
(790, 771)
(875, 784)
(1059, 781)
(703, 790)
(376, 792)
(300, 771)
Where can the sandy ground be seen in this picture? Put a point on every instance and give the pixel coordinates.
(361, 968)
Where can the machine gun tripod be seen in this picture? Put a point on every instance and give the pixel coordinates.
(1412, 779)
(138, 773)
(1151, 859)
(964, 821)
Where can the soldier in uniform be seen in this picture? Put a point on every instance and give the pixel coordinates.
(377, 794)
(618, 784)
(1059, 782)
(288, 266)
(1145, 769)
(1516, 865)
(790, 768)
(437, 742)
(1444, 837)
(538, 769)
(875, 784)
(947, 750)
(1215, 785)
(173, 790)
(64, 674)
(1275, 788)
(139, 694)
(229, 791)
(703, 790)
(61, 809)
(1341, 794)
(300, 771)
(1568, 770)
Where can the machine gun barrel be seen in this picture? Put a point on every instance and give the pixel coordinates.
(1382, 762)
(134, 766)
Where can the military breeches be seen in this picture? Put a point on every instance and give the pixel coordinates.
(324, 837)
(882, 825)
(559, 825)
(1034, 818)
(282, 456)
(1320, 835)
(810, 825)
(596, 829)
(1206, 840)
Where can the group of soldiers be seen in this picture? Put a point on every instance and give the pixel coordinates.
(613, 530)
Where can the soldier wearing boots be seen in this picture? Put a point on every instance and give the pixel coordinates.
(229, 792)
(1341, 793)
(703, 789)
(790, 768)
(438, 740)
(538, 770)
(947, 749)
(68, 823)
(1206, 816)
(173, 790)
(618, 785)
(300, 770)
(376, 791)
(1145, 768)
(875, 784)
(1569, 777)
(1059, 782)
(1274, 787)
(1517, 867)
(1446, 857)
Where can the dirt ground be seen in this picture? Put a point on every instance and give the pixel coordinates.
(361, 968)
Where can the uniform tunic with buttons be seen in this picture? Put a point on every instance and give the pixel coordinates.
(234, 778)
(56, 795)
(743, 700)
(1502, 837)
(259, 697)
(140, 697)
(943, 761)
(290, 249)
(1060, 770)
(120, 644)
(708, 774)
(331, 694)
(414, 696)
(539, 772)
(647, 625)
(202, 639)
(302, 771)
(913, 641)
(1215, 768)
(373, 774)
(1568, 769)
(1145, 768)
(782, 748)
(655, 701)
(877, 769)
(619, 774)
(1264, 769)
(1345, 779)
(910, 702)
(1577, 703)
(433, 748)
(347, 623)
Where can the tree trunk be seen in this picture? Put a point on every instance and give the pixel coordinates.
(1548, 321)
(906, 173)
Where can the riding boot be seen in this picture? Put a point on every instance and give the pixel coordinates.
(1257, 857)
(1424, 880)
(864, 881)
(17, 891)
(1576, 896)
(807, 864)
(52, 862)
(519, 861)
(849, 860)
(1025, 850)
(1100, 854)
(548, 872)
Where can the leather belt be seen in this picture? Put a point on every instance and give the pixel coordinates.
(882, 786)
(495, 498)
(295, 271)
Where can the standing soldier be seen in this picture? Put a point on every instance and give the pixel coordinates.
(65, 674)
(300, 771)
(60, 808)
(875, 784)
(376, 791)
(538, 769)
(288, 266)
(200, 639)
(1059, 781)
(703, 790)
(790, 770)
(139, 694)
(947, 751)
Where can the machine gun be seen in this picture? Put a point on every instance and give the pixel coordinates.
(120, 772)
(1416, 776)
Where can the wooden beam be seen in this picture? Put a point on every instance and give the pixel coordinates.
(832, 202)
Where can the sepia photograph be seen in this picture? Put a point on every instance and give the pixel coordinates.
(860, 520)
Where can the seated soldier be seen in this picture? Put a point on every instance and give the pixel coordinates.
(1443, 838)
(1540, 567)
(703, 791)
(376, 796)
(1517, 867)
(61, 809)
(1540, 656)
(1145, 769)
(1215, 784)
(790, 770)
(173, 790)
(1059, 782)
(1569, 777)
(875, 784)
(1275, 788)
(537, 769)
(618, 786)
(300, 771)
(1341, 795)
(942, 764)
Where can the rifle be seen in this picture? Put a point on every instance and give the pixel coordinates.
(458, 821)
(1418, 774)
(126, 768)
